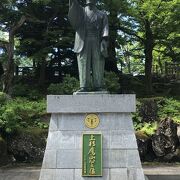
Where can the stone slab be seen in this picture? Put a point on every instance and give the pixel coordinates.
(61, 140)
(78, 175)
(120, 139)
(75, 122)
(47, 174)
(133, 159)
(135, 174)
(91, 93)
(63, 156)
(49, 161)
(115, 158)
(73, 139)
(57, 174)
(64, 174)
(91, 103)
(118, 174)
(32, 172)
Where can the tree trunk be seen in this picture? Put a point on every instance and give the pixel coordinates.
(9, 67)
(59, 65)
(8, 75)
(149, 45)
(42, 72)
(1, 70)
(160, 65)
(111, 62)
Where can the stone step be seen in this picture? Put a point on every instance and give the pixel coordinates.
(32, 173)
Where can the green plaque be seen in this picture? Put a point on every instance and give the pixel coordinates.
(92, 155)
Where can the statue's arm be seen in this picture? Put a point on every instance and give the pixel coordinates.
(105, 37)
(71, 2)
(76, 13)
(105, 30)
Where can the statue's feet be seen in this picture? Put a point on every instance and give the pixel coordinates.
(82, 90)
(99, 89)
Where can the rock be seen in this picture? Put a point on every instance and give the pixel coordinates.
(178, 133)
(144, 147)
(142, 142)
(148, 110)
(165, 141)
(28, 146)
(176, 158)
(4, 159)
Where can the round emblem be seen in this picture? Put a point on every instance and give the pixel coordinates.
(92, 121)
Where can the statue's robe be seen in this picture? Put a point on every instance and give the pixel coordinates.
(89, 59)
(77, 18)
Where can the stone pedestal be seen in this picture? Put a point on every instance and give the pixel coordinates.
(63, 161)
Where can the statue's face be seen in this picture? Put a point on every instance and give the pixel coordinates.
(91, 1)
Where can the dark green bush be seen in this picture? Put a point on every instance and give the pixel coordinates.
(112, 82)
(21, 112)
(27, 145)
(163, 108)
(68, 86)
(4, 98)
(25, 90)
(132, 84)
(169, 107)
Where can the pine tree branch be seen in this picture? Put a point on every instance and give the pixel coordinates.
(16, 26)
(3, 44)
(130, 32)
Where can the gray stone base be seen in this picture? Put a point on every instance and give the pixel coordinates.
(62, 160)
(91, 93)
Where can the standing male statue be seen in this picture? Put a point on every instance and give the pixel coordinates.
(92, 31)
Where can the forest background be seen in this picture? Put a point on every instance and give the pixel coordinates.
(37, 58)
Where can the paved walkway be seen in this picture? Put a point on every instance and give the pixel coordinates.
(162, 172)
(32, 173)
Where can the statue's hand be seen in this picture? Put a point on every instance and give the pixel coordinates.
(72, 1)
(104, 48)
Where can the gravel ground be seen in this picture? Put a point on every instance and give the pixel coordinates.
(32, 173)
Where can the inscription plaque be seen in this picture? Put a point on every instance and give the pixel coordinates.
(92, 155)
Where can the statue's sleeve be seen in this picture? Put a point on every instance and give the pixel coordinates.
(76, 14)
(105, 30)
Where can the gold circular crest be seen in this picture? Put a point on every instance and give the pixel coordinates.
(92, 121)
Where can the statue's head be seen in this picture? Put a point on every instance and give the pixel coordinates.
(91, 1)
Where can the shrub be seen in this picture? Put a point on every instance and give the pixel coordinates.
(68, 86)
(149, 128)
(27, 145)
(145, 114)
(21, 112)
(25, 90)
(131, 84)
(112, 82)
(3, 98)
(148, 109)
(20, 90)
(169, 107)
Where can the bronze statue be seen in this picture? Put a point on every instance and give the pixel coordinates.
(91, 41)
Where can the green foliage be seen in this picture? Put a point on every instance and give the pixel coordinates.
(3, 98)
(21, 113)
(166, 107)
(131, 83)
(146, 128)
(68, 86)
(169, 107)
(25, 90)
(112, 82)
(20, 90)
(149, 128)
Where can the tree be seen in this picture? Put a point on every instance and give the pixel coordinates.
(145, 21)
(49, 43)
(12, 19)
(10, 26)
